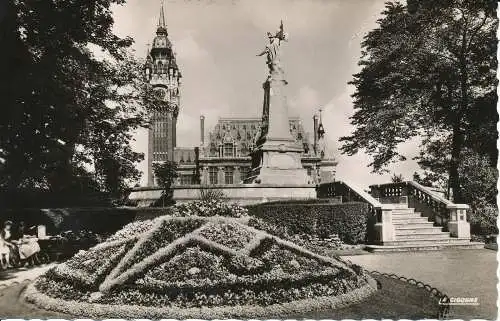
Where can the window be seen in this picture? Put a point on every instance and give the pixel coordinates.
(244, 172)
(228, 150)
(228, 175)
(309, 171)
(186, 179)
(212, 175)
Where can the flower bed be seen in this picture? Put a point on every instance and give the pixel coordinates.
(132, 229)
(159, 236)
(196, 262)
(231, 234)
(209, 208)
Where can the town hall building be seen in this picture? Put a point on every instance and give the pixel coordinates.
(223, 156)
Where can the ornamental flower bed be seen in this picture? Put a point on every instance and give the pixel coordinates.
(209, 208)
(201, 267)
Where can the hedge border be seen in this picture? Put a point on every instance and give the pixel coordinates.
(351, 221)
(81, 309)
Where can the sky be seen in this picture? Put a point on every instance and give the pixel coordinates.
(216, 42)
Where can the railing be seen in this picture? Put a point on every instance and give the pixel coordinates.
(417, 196)
(381, 200)
(432, 205)
(381, 214)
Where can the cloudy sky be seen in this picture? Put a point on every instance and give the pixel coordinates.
(216, 42)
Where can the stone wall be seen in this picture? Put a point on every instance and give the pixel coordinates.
(242, 194)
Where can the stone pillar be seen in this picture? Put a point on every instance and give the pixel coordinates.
(202, 130)
(385, 229)
(458, 225)
(315, 126)
(205, 179)
(236, 175)
(150, 174)
(277, 157)
(220, 176)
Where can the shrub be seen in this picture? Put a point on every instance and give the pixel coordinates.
(209, 208)
(209, 194)
(347, 220)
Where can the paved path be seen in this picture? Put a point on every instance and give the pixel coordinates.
(13, 276)
(457, 273)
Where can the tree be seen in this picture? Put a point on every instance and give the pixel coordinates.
(166, 173)
(63, 107)
(478, 180)
(397, 178)
(428, 70)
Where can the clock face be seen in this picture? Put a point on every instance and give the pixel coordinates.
(160, 93)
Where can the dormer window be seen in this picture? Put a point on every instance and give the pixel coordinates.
(228, 150)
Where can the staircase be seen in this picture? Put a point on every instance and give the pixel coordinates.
(414, 232)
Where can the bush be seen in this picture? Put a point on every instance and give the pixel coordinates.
(209, 208)
(347, 220)
(209, 194)
(483, 219)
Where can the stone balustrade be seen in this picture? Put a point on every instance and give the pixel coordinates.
(438, 209)
(381, 213)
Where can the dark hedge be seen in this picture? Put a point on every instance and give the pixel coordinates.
(348, 220)
(101, 220)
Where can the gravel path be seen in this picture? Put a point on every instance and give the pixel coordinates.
(457, 273)
(13, 276)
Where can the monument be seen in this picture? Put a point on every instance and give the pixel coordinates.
(276, 160)
(277, 172)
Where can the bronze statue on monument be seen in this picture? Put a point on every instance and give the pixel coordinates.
(272, 50)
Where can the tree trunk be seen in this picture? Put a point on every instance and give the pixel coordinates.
(458, 135)
(457, 142)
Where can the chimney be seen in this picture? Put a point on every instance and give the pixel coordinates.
(202, 129)
(315, 146)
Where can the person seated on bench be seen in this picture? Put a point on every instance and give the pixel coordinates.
(19, 232)
(5, 245)
(27, 244)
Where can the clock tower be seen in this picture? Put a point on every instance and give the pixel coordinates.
(162, 72)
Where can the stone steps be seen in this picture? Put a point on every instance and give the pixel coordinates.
(410, 220)
(403, 211)
(466, 245)
(399, 225)
(412, 229)
(432, 239)
(415, 235)
(403, 214)
(414, 232)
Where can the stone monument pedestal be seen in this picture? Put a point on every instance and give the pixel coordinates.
(278, 162)
(277, 157)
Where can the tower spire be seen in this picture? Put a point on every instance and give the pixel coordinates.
(162, 25)
(161, 20)
(321, 129)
